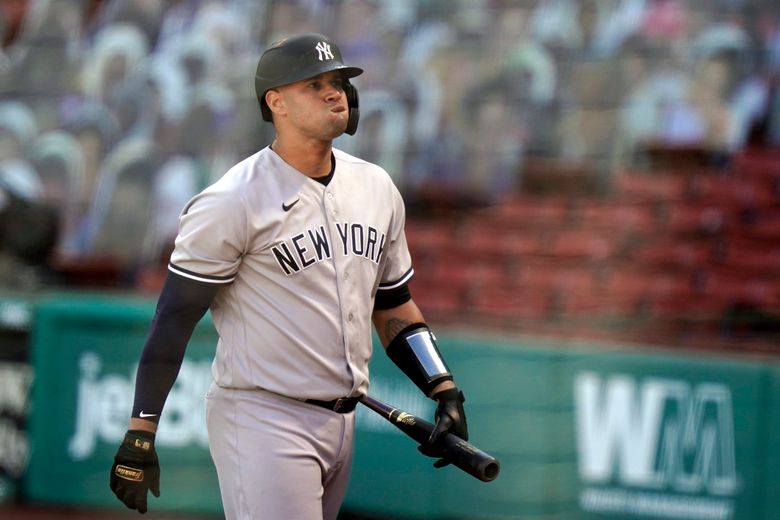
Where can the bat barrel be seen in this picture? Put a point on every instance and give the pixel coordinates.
(470, 459)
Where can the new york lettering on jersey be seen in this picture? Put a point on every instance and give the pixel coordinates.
(313, 245)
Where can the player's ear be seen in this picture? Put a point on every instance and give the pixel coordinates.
(274, 101)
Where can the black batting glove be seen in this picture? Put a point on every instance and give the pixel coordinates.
(135, 470)
(450, 418)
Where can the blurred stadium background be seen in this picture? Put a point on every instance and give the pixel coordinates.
(593, 191)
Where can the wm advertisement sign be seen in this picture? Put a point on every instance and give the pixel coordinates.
(658, 448)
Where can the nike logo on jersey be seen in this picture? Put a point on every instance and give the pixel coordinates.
(288, 207)
(143, 415)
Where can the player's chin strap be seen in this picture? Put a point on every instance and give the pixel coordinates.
(415, 352)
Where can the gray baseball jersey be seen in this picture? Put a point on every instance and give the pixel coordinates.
(301, 263)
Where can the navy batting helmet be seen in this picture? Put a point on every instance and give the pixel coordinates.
(300, 57)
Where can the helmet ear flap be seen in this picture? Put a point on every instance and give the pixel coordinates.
(354, 111)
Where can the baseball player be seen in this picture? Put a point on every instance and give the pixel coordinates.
(297, 250)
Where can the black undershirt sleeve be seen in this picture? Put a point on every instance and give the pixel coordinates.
(391, 298)
(182, 303)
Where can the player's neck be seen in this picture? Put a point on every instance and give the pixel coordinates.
(310, 158)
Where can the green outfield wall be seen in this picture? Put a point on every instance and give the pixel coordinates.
(582, 432)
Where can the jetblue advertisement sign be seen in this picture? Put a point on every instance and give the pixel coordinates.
(104, 402)
(654, 447)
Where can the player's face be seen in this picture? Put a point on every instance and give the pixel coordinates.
(317, 106)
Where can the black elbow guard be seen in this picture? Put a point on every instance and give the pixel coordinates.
(415, 352)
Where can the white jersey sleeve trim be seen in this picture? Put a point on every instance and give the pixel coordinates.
(218, 280)
(392, 285)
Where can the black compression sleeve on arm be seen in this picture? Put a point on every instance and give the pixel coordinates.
(182, 303)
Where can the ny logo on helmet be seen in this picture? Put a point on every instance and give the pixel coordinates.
(323, 51)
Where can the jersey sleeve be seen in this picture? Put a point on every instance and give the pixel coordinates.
(398, 262)
(212, 238)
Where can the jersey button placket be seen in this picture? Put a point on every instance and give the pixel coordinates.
(330, 204)
(331, 207)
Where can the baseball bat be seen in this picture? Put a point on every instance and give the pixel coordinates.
(465, 456)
